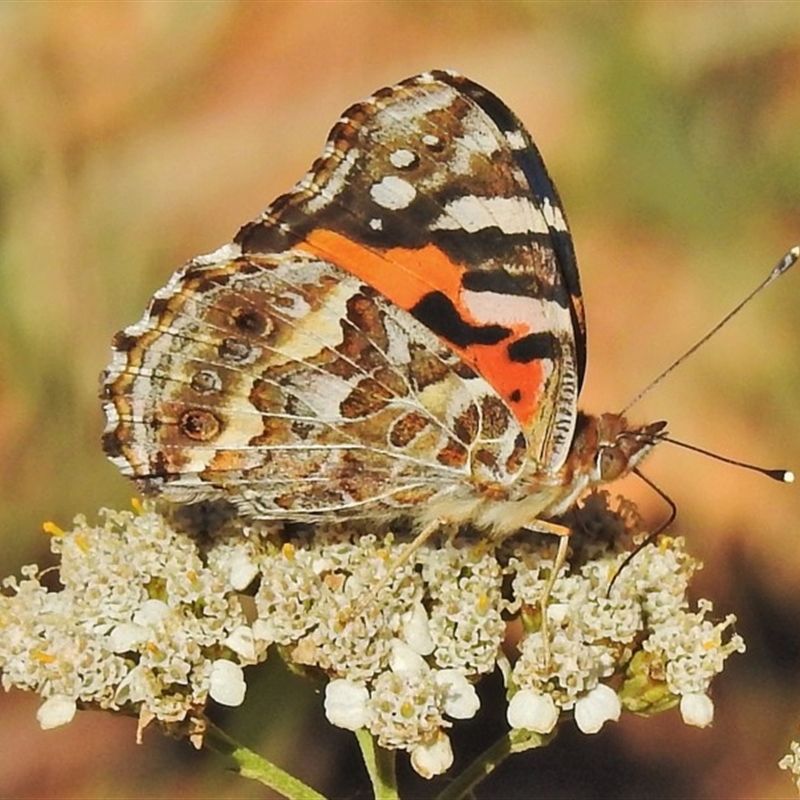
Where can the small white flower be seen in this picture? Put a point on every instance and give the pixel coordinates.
(791, 761)
(150, 613)
(432, 758)
(126, 637)
(557, 613)
(56, 710)
(404, 660)
(532, 711)
(461, 700)
(134, 687)
(263, 630)
(227, 685)
(597, 707)
(697, 709)
(417, 631)
(346, 704)
(243, 570)
(242, 642)
(406, 709)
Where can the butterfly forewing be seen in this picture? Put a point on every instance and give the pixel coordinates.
(432, 192)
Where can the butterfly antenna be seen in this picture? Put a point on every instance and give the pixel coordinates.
(782, 266)
(654, 534)
(781, 475)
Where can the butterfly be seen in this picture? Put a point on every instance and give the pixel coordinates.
(402, 334)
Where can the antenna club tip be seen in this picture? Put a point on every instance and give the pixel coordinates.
(788, 475)
(789, 259)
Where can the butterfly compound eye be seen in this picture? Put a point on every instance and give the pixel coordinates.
(612, 463)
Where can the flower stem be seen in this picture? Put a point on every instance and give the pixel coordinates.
(252, 765)
(512, 742)
(380, 765)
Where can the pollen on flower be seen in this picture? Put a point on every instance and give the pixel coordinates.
(52, 529)
(43, 657)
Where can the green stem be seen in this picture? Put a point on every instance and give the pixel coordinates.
(252, 765)
(512, 742)
(380, 765)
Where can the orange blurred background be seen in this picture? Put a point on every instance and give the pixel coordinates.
(134, 136)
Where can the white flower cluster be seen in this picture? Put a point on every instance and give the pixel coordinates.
(641, 626)
(139, 623)
(791, 761)
(402, 644)
(151, 620)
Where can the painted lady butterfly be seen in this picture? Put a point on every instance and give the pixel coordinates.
(402, 334)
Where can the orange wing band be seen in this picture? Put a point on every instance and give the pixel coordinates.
(428, 269)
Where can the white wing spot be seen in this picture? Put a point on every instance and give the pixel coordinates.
(429, 140)
(554, 216)
(376, 224)
(516, 139)
(402, 158)
(503, 309)
(509, 214)
(393, 193)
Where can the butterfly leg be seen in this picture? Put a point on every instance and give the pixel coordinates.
(408, 551)
(563, 533)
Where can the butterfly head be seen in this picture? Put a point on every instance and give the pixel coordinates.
(607, 447)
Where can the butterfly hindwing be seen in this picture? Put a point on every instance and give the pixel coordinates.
(294, 390)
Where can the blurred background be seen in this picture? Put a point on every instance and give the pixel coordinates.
(134, 136)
